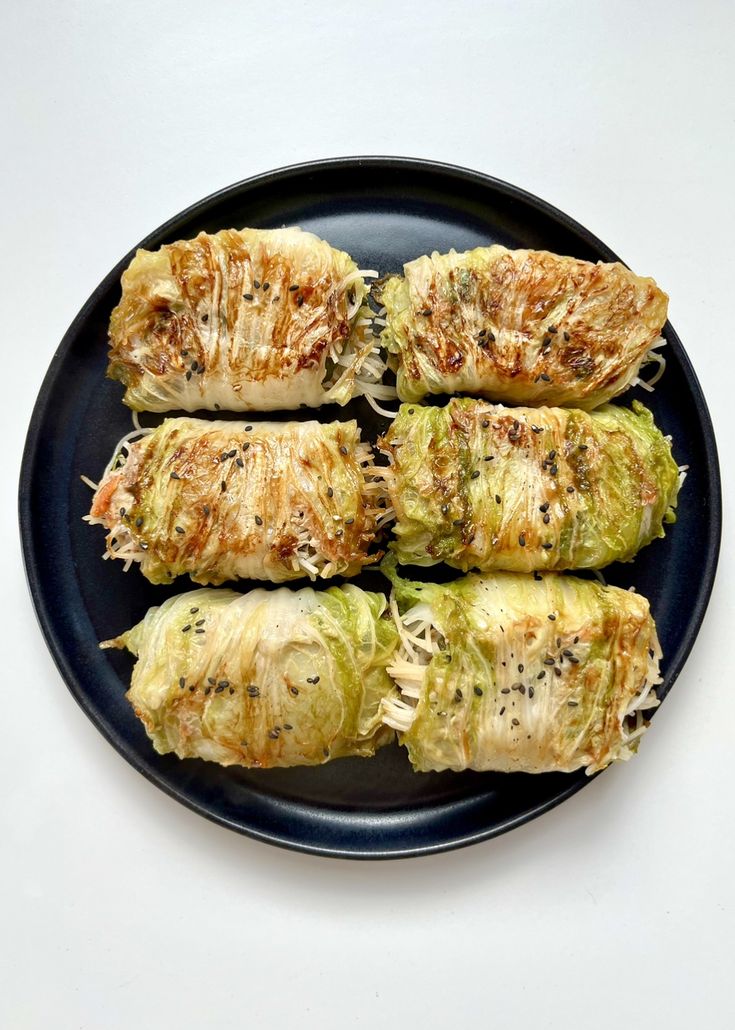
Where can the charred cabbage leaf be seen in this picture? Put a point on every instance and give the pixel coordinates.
(488, 487)
(268, 678)
(523, 326)
(227, 500)
(241, 320)
(511, 673)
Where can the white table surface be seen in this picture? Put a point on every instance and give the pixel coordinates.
(122, 909)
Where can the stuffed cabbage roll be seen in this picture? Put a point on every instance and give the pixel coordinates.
(488, 487)
(268, 678)
(516, 673)
(230, 500)
(523, 326)
(256, 319)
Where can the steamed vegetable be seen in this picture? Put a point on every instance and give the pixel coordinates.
(488, 487)
(268, 678)
(228, 500)
(513, 673)
(242, 320)
(522, 326)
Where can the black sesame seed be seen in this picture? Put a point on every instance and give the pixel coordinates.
(182, 682)
(551, 617)
(576, 641)
(184, 353)
(552, 455)
(200, 622)
(299, 300)
(557, 670)
(566, 336)
(253, 691)
(343, 449)
(194, 366)
(547, 519)
(258, 520)
(544, 506)
(520, 668)
(572, 704)
(426, 312)
(489, 457)
(514, 722)
(188, 375)
(207, 691)
(266, 286)
(199, 631)
(330, 492)
(570, 489)
(554, 469)
(537, 576)
(502, 710)
(223, 485)
(287, 726)
(175, 475)
(206, 509)
(348, 522)
(478, 691)
(205, 318)
(545, 378)
(574, 660)
(543, 671)
(294, 691)
(522, 539)
(531, 692)
(491, 336)
(485, 423)
(247, 296)
(551, 329)
(339, 533)
(458, 522)
(240, 463)
(192, 689)
(292, 289)
(458, 695)
(248, 429)
(547, 547)
(549, 661)
(475, 474)
(186, 628)
(497, 498)
(139, 521)
(193, 611)
(445, 509)
(179, 529)
(273, 734)
(232, 453)
(256, 284)
(584, 447)
(482, 332)
(566, 652)
(536, 429)
(505, 690)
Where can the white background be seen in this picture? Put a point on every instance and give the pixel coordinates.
(122, 909)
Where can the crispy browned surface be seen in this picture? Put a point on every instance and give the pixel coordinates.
(494, 321)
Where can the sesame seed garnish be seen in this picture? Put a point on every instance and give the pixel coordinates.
(515, 722)
(206, 509)
(458, 522)
(547, 547)
(426, 312)
(223, 684)
(312, 679)
(478, 691)
(348, 522)
(182, 682)
(549, 661)
(536, 429)
(186, 628)
(256, 284)
(551, 617)
(551, 329)
(287, 726)
(491, 336)
(248, 429)
(185, 354)
(485, 423)
(547, 519)
(343, 449)
(258, 520)
(502, 710)
(179, 529)
(207, 691)
(537, 576)
(520, 668)
(458, 695)
(205, 318)
(572, 704)
(557, 670)
(497, 498)
(253, 691)
(482, 332)
(505, 690)
(247, 296)
(240, 463)
(292, 289)
(266, 286)
(175, 475)
(194, 366)
(584, 447)
(522, 539)
(339, 533)
(299, 300)
(294, 691)
(188, 375)
(570, 489)
(567, 337)
(139, 521)
(475, 474)
(531, 692)
(223, 485)
(200, 622)
(330, 492)
(544, 506)
(543, 671)
(232, 453)
(552, 455)
(192, 689)
(199, 631)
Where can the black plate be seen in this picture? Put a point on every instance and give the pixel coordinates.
(383, 211)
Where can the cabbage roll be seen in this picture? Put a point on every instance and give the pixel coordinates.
(230, 500)
(267, 678)
(520, 326)
(517, 673)
(488, 487)
(256, 319)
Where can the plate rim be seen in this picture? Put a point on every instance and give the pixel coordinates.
(30, 450)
